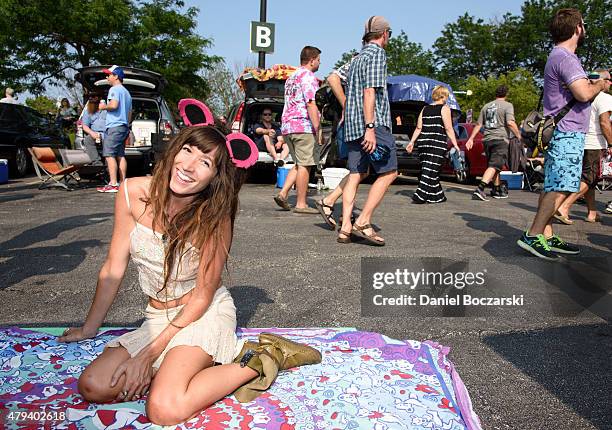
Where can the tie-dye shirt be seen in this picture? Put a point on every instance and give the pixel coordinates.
(300, 88)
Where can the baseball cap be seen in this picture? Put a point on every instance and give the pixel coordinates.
(115, 70)
(376, 24)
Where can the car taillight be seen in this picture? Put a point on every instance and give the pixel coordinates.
(166, 127)
(237, 119)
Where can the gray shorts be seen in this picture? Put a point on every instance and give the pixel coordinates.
(359, 160)
(114, 141)
(497, 153)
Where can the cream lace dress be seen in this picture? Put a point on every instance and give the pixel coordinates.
(214, 332)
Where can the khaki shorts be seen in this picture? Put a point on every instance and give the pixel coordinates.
(303, 148)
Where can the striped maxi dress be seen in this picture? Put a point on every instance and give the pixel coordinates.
(431, 145)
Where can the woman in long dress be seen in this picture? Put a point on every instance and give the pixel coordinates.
(434, 127)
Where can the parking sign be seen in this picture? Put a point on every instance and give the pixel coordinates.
(262, 37)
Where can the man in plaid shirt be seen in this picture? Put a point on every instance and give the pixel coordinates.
(368, 131)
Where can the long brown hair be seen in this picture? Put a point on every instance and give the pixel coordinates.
(200, 222)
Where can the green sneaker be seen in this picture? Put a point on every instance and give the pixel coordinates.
(538, 246)
(556, 244)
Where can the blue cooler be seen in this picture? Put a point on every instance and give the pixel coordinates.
(514, 180)
(281, 174)
(3, 171)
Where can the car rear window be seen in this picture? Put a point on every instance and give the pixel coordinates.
(145, 110)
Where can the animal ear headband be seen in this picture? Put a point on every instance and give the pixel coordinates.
(242, 150)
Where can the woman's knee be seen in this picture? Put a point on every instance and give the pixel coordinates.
(164, 408)
(95, 388)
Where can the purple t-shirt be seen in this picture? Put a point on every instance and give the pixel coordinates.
(563, 68)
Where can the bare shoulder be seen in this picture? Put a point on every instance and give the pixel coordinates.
(139, 187)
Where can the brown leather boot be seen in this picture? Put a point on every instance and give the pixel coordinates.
(295, 354)
(266, 360)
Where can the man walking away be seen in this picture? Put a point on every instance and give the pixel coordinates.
(118, 117)
(368, 132)
(300, 128)
(564, 80)
(497, 119)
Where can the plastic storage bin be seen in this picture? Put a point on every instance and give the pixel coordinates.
(332, 176)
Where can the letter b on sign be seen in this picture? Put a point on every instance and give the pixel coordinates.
(262, 37)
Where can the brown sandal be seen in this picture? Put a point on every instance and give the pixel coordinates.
(328, 218)
(372, 239)
(346, 239)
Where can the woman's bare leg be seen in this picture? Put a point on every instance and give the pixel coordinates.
(94, 382)
(187, 383)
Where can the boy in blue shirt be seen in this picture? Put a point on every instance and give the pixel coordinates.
(119, 112)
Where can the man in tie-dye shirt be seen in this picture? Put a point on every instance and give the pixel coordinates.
(300, 128)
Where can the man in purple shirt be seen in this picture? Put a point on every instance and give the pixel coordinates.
(564, 80)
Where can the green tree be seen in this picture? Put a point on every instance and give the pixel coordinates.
(523, 92)
(227, 92)
(45, 41)
(42, 104)
(464, 49)
(403, 57)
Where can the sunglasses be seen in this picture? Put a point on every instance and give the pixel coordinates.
(242, 150)
(390, 32)
(267, 114)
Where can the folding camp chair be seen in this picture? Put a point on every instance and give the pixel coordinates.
(534, 174)
(49, 168)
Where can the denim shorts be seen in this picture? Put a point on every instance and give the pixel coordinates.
(359, 160)
(563, 162)
(114, 141)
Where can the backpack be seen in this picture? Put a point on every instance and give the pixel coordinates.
(537, 130)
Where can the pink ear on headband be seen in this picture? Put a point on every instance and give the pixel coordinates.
(241, 148)
(195, 113)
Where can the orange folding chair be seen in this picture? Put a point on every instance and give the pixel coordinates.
(49, 169)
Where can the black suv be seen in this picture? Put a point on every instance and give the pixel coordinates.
(152, 124)
(22, 127)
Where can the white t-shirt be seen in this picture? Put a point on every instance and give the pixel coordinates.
(10, 100)
(594, 138)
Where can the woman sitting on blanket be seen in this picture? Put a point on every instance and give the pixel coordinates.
(177, 227)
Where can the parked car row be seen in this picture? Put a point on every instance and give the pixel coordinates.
(408, 95)
(21, 128)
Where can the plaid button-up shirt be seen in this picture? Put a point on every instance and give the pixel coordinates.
(368, 70)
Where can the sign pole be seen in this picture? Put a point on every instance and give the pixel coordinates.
(262, 18)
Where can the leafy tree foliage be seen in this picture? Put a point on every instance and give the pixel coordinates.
(523, 92)
(43, 42)
(42, 104)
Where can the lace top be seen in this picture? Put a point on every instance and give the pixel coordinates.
(147, 252)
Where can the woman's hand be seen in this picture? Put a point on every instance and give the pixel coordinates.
(138, 372)
(469, 144)
(74, 334)
(410, 147)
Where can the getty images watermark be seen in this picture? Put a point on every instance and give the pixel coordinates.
(443, 287)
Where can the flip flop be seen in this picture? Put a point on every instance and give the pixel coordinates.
(373, 239)
(593, 221)
(329, 219)
(283, 203)
(306, 210)
(346, 239)
(563, 219)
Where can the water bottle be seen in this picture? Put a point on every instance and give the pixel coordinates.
(319, 185)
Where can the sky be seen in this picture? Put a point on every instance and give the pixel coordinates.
(332, 26)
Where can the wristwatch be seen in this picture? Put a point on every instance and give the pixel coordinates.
(370, 125)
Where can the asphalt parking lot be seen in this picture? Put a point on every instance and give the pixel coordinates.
(525, 369)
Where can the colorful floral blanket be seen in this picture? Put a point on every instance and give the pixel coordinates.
(366, 380)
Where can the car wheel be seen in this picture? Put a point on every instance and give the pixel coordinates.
(20, 167)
